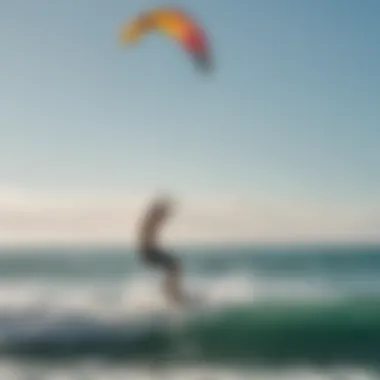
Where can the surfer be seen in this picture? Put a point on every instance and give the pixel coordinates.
(157, 214)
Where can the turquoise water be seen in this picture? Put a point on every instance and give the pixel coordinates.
(310, 310)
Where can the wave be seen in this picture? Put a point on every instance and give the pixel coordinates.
(133, 292)
(329, 332)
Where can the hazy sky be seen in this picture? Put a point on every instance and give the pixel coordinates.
(290, 118)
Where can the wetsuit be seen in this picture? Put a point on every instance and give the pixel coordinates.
(150, 252)
(157, 257)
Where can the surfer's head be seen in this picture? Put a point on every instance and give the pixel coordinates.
(163, 205)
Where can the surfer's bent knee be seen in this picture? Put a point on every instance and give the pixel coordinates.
(158, 258)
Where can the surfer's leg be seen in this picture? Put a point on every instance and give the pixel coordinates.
(173, 286)
(172, 283)
(170, 265)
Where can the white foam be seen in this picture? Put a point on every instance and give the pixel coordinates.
(13, 370)
(141, 295)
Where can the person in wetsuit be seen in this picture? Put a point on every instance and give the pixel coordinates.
(152, 255)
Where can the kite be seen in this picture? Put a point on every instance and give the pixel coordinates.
(175, 24)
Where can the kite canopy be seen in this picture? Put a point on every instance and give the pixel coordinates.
(175, 24)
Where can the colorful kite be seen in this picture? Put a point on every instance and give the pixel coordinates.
(176, 24)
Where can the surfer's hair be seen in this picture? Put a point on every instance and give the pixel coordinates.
(163, 202)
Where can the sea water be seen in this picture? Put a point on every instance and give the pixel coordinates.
(292, 312)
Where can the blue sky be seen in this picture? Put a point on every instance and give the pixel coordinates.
(291, 112)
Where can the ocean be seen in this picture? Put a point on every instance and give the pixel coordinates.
(268, 312)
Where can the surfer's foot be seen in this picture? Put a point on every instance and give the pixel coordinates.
(192, 300)
(182, 300)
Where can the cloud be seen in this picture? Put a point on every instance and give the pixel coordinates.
(29, 218)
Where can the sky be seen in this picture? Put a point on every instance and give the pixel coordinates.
(284, 134)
